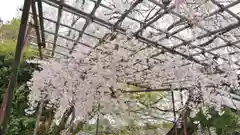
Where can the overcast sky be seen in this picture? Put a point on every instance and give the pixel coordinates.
(9, 9)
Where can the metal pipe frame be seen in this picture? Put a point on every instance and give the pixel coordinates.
(36, 26)
(144, 40)
(85, 16)
(116, 28)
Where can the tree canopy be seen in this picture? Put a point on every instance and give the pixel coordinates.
(131, 67)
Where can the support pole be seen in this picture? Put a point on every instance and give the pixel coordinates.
(97, 124)
(174, 111)
(36, 26)
(40, 12)
(57, 26)
(39, 114)
(18, 55)
(29, 28)
(183, 115)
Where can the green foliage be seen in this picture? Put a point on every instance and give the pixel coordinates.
(131, 129)
(9, 31)
(224, 124)
(7, 50)
(147, 98)
(20, 123)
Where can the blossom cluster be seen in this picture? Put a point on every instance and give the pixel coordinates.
(94, 76)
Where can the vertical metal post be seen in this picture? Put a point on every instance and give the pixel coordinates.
(174, 111)
(57, 26)
(183, 114)
(29, 28)
(97, 124)
(3, 106)
(40, 12)
(36, 26)
(18, 55)
(39, 114)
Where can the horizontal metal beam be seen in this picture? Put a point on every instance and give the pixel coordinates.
(35, 45)
(108, 25)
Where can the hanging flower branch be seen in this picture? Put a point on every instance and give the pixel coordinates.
(97, 75)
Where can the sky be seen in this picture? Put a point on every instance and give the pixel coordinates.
(9, 9)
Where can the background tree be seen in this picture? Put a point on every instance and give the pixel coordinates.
(9, 31)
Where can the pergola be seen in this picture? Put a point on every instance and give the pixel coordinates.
(147, 21)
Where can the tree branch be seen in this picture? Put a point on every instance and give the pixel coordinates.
(57, 129)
